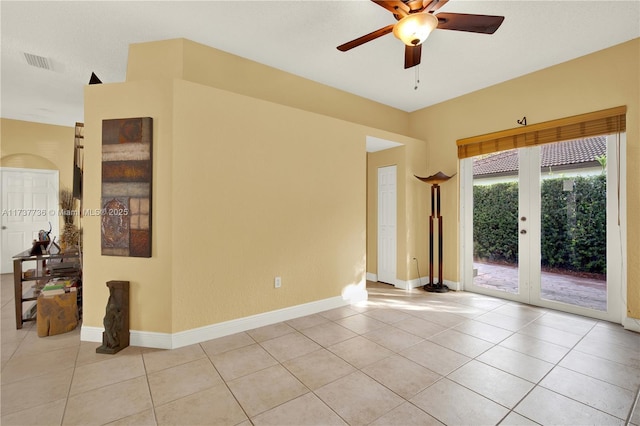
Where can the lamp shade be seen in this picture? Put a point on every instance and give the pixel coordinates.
(435, 179)
(414, 29)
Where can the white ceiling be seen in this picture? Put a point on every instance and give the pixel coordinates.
(296, 36)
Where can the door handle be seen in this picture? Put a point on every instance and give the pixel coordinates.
(524, 231)
(4, 227)
(523, 218)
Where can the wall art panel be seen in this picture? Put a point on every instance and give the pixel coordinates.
(127, 169)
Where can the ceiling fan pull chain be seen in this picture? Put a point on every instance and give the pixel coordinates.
(417, 68)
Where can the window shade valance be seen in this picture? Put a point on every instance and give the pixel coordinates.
(597, 123)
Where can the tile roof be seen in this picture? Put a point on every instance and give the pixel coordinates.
(562, 154)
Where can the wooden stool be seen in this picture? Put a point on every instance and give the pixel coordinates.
(57, 314)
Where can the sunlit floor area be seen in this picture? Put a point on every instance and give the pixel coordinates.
(402, 358)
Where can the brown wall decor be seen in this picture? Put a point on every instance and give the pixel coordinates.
(126, 187)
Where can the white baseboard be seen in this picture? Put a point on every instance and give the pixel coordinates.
(417, 282)
(146, 339)
(453, 285)
(631, 324)
(407, 285)
(151, 339)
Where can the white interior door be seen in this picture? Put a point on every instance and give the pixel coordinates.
(29, 204)
(387, 224)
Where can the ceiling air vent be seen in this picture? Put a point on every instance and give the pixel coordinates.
(38, 61)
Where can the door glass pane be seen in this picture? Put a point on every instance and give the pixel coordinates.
(574, 223)
(495, 221)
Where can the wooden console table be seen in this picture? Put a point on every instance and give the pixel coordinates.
(45, 267)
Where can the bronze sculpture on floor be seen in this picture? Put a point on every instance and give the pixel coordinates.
(116, 319)
(435, 181)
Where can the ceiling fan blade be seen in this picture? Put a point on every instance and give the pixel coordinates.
(433, 5)
(485, 24)
(396, 7)
(412, 55)
(365, 38)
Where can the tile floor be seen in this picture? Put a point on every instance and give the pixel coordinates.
(403, 358)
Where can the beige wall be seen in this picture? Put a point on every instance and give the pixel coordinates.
(605, 79)
(150, 279)
(412, 211)
(244, 190)
(261, 190)
(30, 145)
(187, 60)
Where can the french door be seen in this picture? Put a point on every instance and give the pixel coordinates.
(512, 249)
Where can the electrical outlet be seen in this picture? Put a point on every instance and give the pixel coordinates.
(277, 282)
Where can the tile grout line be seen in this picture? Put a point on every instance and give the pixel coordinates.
(557, 364)
(634, 406)
(73, 374)
(146, 376)
(225, 381)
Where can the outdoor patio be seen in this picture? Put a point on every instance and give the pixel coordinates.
(584, 292)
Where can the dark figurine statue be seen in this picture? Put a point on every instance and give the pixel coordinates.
(116, 319)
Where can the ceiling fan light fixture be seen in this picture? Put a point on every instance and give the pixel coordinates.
(414, 28)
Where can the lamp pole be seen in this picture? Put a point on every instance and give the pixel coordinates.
(435, 181)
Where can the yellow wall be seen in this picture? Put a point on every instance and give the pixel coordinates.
(30, 145)
(150, 279)
(261, 190)
(187, 60)
(598, 81)
(412, 212)
(244, 190)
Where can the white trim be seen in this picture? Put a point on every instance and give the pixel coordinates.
(631, 324)
(374, 144)
(372, 277)
(407, 285)
(465, 180)
(21, 169)
(91, 334)
(151, 339)
(420, 282)
(453, 285)
(620, 160)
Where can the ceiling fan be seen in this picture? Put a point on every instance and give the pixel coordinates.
(416, 20)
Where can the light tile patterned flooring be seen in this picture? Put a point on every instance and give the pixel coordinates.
(403, 358)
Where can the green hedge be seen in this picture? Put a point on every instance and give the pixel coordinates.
(573, 224)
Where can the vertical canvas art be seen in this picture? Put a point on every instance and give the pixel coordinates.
(125, 227)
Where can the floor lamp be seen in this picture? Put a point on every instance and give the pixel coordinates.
(435, 181)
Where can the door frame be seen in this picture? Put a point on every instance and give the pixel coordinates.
(616, 241)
